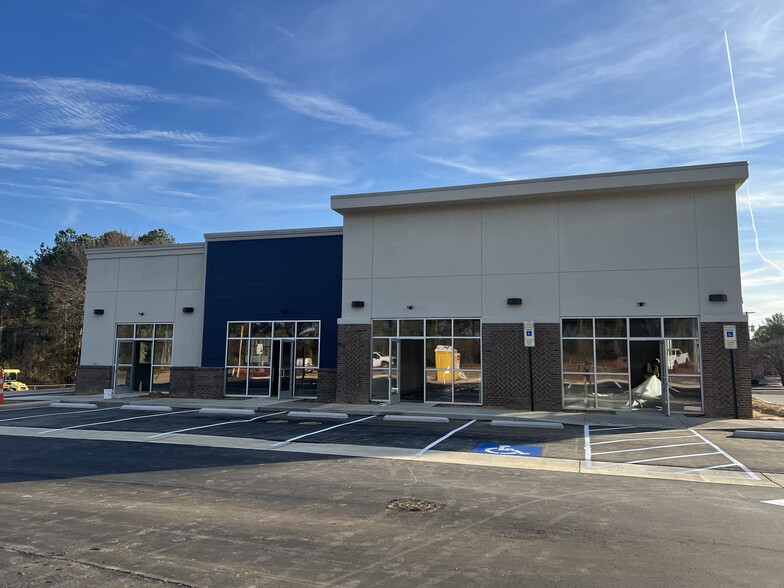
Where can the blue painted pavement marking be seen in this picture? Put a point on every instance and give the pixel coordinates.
(516, 450)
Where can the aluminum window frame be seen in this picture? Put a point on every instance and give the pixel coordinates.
(248, 338)
(662, 338)
(393, 339)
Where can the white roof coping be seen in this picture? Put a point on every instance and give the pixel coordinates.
(274, 234)
(648, 179)
(147, 250)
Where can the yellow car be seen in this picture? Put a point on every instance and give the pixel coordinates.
(12, 384)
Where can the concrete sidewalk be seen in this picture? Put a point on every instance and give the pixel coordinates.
(652, 419)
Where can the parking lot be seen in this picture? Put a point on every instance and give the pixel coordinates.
(601, 449)
(124, 497)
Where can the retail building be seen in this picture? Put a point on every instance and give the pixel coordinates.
(426, 296)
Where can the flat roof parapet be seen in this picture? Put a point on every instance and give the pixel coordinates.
(146, 250)
(274, 234)
(649, 179)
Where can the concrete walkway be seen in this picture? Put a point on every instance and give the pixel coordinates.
(651, 419)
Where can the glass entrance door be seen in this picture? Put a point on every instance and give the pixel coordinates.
(142, 366)
(412, 370)
(286, 370)
(648, 376)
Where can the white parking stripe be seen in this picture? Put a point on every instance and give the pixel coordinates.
(587, 444)
(447, 436)
(716, 467)
(618, 428)
(70, 412)
(643, 439)
(320, 431)
(751, 474)
(641, 432)
(648, 448)
(674, 457)
(144, 416)
(216, 425)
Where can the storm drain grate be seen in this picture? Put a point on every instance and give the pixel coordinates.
(308, 423)
(277, 421)
(414, 505)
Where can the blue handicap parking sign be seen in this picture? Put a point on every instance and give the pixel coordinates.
(515, 450)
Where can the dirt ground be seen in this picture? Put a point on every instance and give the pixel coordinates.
(767, 411)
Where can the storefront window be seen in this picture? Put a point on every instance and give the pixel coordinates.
(143, 357)
(603, 368)
(254, 357)
(440, 360)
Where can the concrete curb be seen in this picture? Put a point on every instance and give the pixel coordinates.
(773, 435)
(307, 414)
(239, 412)
(147, 407)
(73, 405)
(526, 424)
(415, 419)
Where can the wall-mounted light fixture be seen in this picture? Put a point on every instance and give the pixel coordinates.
(141, 314)
(514, 301)
(284, 311)
(640, 304)
(187, 309)
(410, 307)
(357, 304)
(717, 298)
(97, 310)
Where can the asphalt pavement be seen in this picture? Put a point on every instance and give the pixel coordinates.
(710, 455)
(80, 512)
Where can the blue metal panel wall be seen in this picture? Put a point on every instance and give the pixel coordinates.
(257, 279)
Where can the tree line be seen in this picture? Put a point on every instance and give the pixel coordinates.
(42, 308)
(42, 302)
(767, 347)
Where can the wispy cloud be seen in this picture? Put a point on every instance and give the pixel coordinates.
(50, 103)
(312, 104)
(79, 150)
(471, 168)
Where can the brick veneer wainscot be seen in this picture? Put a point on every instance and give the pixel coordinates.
(92, 379)
(506, 379)
(717, 374)
(196, 382)
(353, 376)
(327, 385)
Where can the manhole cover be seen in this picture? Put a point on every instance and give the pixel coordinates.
(413, 505)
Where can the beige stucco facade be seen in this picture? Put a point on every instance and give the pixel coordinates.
(144, 285)
(580, 246)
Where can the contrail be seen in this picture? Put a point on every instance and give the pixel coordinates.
(743, 146)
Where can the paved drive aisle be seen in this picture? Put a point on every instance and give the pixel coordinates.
(80, 512)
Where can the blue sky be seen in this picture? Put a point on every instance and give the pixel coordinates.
(207, 115)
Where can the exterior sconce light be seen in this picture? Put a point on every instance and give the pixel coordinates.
(717, 298)
(514, 301)
(410, 307)
(98, 311)
(187, 309)
(284, 311)
(357, 304)
(640, 304)
(141, 314)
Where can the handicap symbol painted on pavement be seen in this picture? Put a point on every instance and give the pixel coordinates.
(516, 450)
